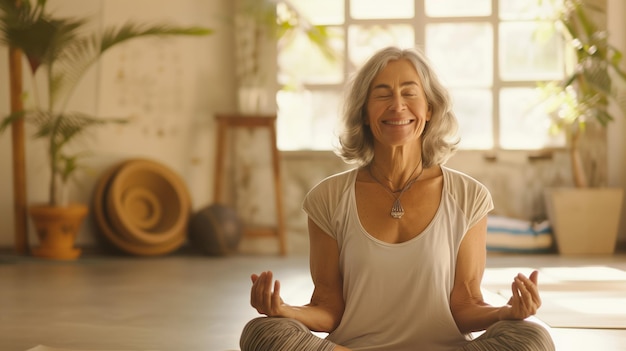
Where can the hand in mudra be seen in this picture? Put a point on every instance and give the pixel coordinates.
(265, 295)
(525, 300)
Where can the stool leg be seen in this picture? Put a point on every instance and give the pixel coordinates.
(226, 122)
(280, 221)
(219, 161)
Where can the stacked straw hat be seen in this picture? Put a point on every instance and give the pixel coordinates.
(142, 207)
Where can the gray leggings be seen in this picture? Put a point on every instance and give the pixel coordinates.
(283, 334)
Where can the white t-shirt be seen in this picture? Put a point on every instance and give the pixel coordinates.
(397, 296)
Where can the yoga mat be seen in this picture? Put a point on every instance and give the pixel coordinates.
(590, 297)
(605, 309)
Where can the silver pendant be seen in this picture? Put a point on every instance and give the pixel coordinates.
(396, 210)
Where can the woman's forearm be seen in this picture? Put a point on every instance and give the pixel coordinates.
(316, 318)
(476, 317)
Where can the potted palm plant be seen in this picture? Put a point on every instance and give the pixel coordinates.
(585, 218)
(60, 49)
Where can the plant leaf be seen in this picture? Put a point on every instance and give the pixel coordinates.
(8, 120)
(81, 53)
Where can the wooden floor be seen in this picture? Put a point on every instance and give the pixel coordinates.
(183, 302)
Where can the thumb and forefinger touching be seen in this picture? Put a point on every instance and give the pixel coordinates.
(265, 293)
(525, 300)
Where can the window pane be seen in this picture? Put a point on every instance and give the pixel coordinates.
(523, 121)
(474, 112)
(525, 9)
(300, 61)
(307, 119)
(367, 9)
(321, 11)
(364, 40)
(530, 51)
(461, 52)
(458, 8)
(458, 39)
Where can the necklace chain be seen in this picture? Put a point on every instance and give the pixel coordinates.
(397, 211)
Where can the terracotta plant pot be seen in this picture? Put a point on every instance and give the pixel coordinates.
(57, 228)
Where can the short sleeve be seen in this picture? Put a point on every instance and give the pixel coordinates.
(317, 204)
(480, 204)
(472, 197)
(325, 203)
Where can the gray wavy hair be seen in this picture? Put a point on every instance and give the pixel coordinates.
(356, 141)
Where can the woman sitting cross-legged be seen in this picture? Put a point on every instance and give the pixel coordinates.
(397, 244)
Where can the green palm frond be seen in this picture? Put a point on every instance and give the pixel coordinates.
(65, 127)
(8, 120)
(67, 165)
(81, 53)
(69, 68)
(14, 16)
(25, 28)
(65, 33)
(39, 36)
(114, 36)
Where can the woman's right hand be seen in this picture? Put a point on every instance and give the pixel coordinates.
(265, 300)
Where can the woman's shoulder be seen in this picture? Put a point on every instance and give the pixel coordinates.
(338, 180)
(322, 200)
(471, 196)
(455, 180)
(333, 186)
(458, 176)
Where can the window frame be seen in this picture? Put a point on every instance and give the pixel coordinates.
(420, 17)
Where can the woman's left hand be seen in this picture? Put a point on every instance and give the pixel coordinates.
(525, 300)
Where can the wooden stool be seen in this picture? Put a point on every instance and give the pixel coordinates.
(226, 122)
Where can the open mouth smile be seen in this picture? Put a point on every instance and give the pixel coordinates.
(398, 122)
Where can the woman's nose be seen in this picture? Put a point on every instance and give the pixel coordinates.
(397, 103)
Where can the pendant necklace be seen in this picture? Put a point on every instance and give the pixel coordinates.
(397, 211)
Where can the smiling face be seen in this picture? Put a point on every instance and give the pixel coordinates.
(397, 110)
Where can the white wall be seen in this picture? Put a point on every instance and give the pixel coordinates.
(171, 89)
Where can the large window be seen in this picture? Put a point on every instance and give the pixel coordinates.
(489, 53)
